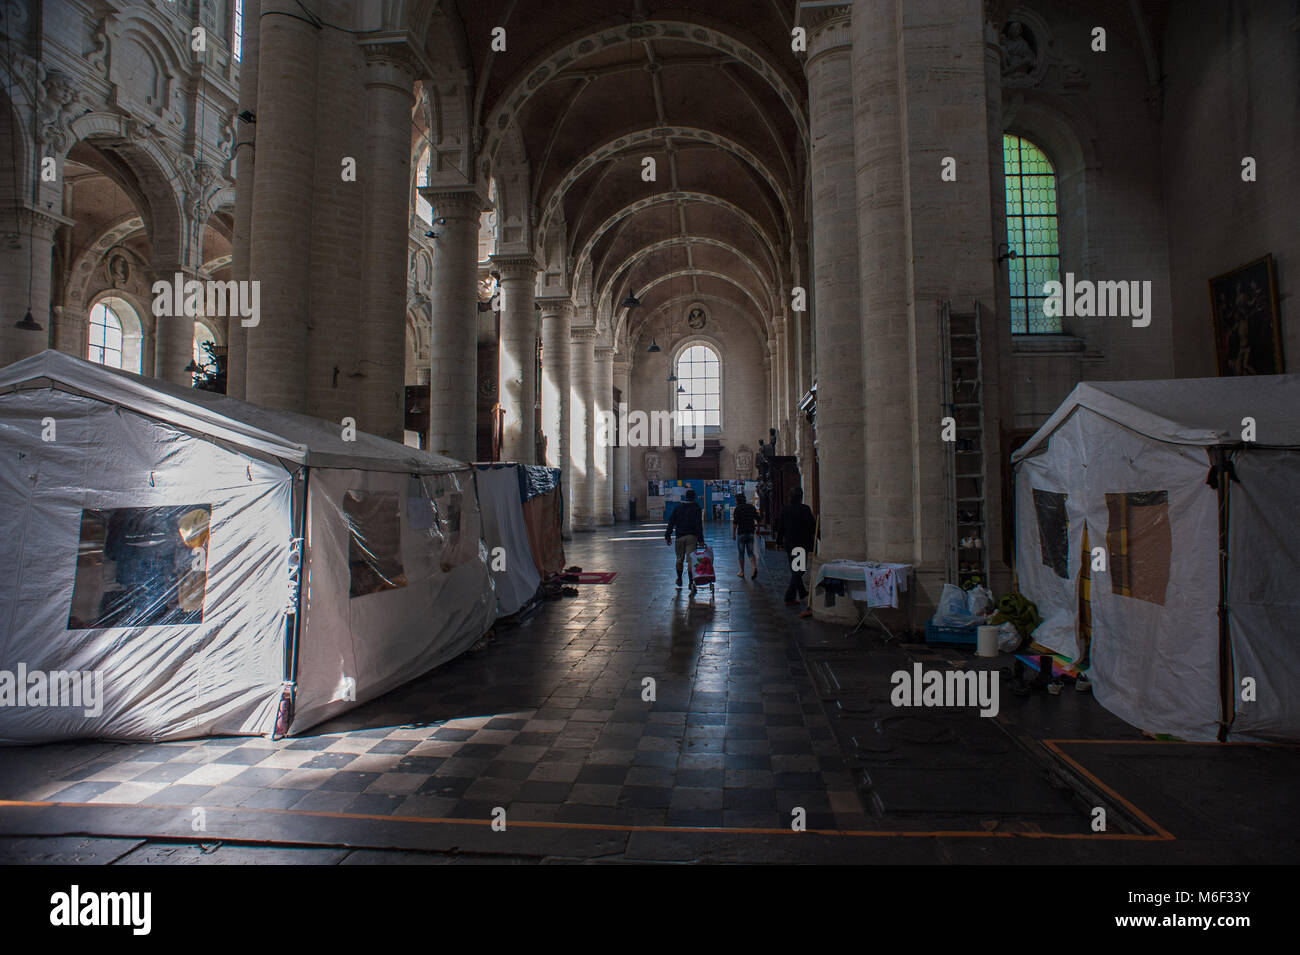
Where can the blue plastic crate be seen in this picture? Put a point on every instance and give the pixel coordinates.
(953, 636)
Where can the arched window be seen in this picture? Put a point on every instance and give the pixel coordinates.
(422, 207)
(1032, 233)
(202, 335)
(699, 387)
(237, 34)
(105, 336)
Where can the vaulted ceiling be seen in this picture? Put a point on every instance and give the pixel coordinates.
(712, 93)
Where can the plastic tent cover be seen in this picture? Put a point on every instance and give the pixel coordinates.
(396, 584)
(144, 567)
(503, 527)
(1193, 411)
(1154, 626)
(282, 434)
(1263, 596)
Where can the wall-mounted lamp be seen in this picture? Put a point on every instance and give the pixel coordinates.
(1010, 253)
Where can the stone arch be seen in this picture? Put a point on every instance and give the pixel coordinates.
(703, 273)
(147, 80)
(145, 171)
(613, 147)
(566, 52)
(687, 240)
(632, 208)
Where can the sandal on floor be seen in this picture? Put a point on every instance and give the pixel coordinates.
(570, 591)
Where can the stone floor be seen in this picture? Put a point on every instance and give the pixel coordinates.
(757, 719)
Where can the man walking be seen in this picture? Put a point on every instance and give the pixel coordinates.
(688, 522)
(743, 519)
(798, 528)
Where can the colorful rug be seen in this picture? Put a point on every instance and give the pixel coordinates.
(595, 577)
(1061, 664)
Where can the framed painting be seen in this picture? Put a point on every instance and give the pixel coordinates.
(1247, 324)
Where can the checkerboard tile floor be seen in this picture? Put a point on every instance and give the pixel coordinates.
(548, 721)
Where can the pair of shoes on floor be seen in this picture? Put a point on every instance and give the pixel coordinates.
(575, 569)
(569, 591)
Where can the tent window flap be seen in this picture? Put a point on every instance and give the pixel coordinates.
(141, 567)
(1053, 531)
(1139, 544)
(374, 542)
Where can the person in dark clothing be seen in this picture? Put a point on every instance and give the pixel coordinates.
(743, 519)
(688, 522)
(798, 529)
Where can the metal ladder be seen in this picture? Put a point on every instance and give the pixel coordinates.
(965, 470)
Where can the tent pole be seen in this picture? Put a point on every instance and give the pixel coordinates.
(1226, 690)
(293, 621)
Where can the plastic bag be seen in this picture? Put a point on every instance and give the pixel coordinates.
(979, 601)
(952, 610)
(1008, 638)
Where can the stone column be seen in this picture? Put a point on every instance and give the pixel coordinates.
(385, 180)
(770, 372)
(283, 197)
(453, 337)
(838, 338)
(518, 362)
(603, 500)
(26, 266)
(557, 317)
(237, 334)
(173, 342)
(582, 424)
(781, 412)
(884, 269)
(622, 453)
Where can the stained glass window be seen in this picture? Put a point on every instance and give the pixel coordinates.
(1032, 233)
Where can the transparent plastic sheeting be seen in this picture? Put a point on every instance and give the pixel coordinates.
(143, 567)
(396, 584)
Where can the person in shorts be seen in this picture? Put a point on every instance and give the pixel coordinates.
(688, 521)
(743, 520)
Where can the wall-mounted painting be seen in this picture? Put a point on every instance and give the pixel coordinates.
(1247, 325)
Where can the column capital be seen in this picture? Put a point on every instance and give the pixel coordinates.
(392, 60)
(604, 353)
(583, 333)
(554, 306)
(455, 204)
(35, 219)
(514, 266)
(828, 30)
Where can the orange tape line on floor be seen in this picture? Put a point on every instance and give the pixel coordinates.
(603, 827)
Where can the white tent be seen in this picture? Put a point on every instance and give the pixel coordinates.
(152, 540)
(1158, 474)
(514, 574)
